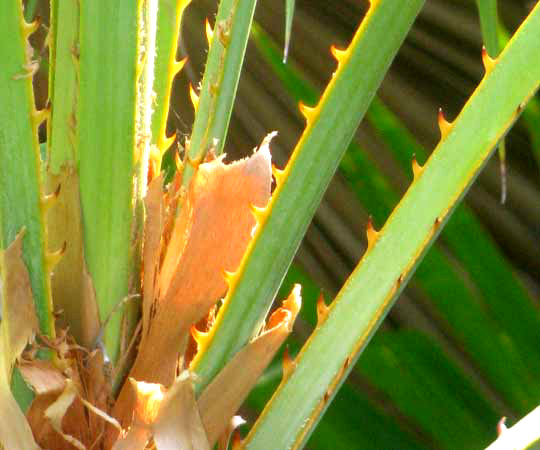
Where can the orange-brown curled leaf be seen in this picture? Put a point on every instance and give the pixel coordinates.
(210, 235)
(224, 395)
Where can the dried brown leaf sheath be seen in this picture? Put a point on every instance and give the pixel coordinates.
(185, 257)
(70, 408)
(72, 286)
(153, 230)
(209, 236)
(224, 395)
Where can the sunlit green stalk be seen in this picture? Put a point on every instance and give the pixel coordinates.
(458, 304)
(21, 194)
(220, 81)
(392, 255)
(330, 127)
(106, 141)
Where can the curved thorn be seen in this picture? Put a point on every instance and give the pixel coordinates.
(48, 200)
(40, 116)
(200, 337)
(371, 233)
(278, 174)
(179, 65)
(31, 27)
(194, 97)
(488, 61)
(229, 277)
(322, 309)
(53, 258)
(209, 32)
(306, 111)
(193, 162)
(338, 54)
(165, 142)
(444, 125)
(416, 168)
(258, 213)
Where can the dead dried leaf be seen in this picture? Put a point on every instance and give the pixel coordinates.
(43, 376)
(178, 424)
(19, 324)
(15, 432)
(210, 235)
(57, 410)
(98, 391)
(153, 230)
(90, 324)
(58, 419)
(44, 434)
(71, 284)
(69, 411)
(19, 321)
(135, 439)
(224, 395)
